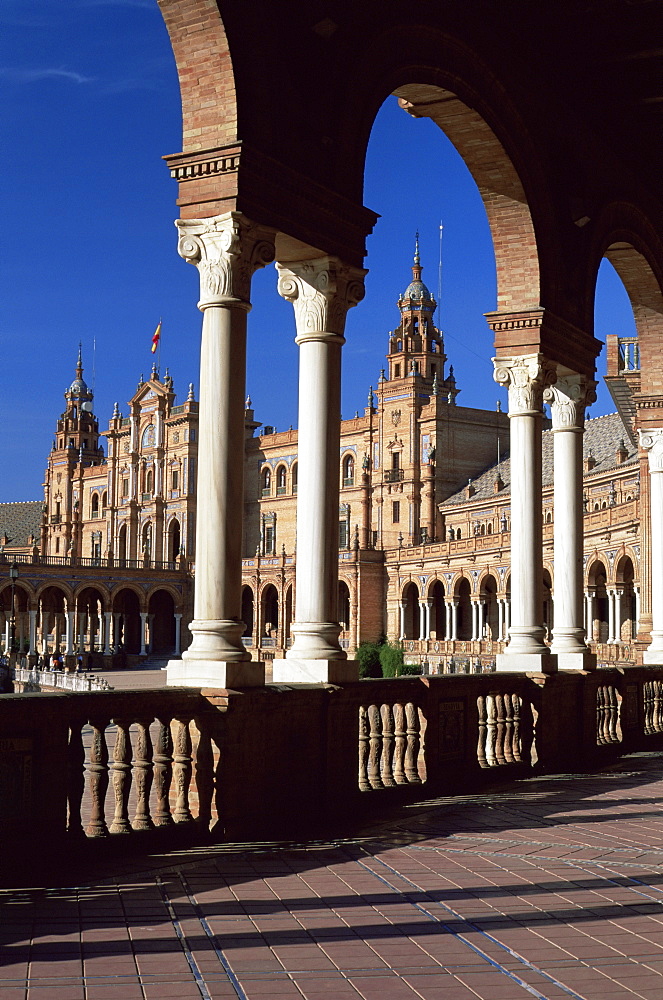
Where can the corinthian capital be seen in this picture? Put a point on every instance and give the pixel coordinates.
(226, 249)
(652, 441)
(525, 376)
(321, 292)
(569, 397)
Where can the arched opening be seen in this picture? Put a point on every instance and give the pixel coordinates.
(596, 585)
(266, 482)
(126, 622)
(438, 618)
(173, 540)
(625, 601)
(149, 482)
(343, 605)
(161, 622)
(281, 480)
(88, 628)
(16, 615)
(51, 621)
(412, 619)
(94, 505)
(463, 595)
(146, 541)
(490, 610)
(348, 471)
(270, 611)
(247, 615)
(122, 553)
(293, 475)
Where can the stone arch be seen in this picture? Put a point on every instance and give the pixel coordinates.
(281, 476)
(247, 610)
(348, 470)
(410, 599)
(122, 543)
(161, 612)
(174, 539)
(462, 591)
(146, 540)
(627, 606)
(91, 602)
(294, 473)
(488, 592)
(597, 577)
(94, 505)
(19, 612)
(127, 606)
(269, 603)
(344, 604)
(438, 618)
(266, 481)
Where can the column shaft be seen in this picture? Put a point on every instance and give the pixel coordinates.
(652, 442)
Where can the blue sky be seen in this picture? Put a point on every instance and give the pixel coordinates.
(90, 105)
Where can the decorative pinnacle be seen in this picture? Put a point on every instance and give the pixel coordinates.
(155, 375)
(417, 259)
(79, 363)
(247, 404)
(190, 398)
(370, 397)
(116, 411)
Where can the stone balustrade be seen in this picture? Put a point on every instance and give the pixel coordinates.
(150, 766)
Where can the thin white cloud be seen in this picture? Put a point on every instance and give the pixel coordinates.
(18, 75)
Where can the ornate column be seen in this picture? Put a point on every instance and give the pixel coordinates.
(33, 631)
(589, 597)
(178, 632)
(71, 626)
(652, 442)
(500, 618)
(611, 615)
(619, 594)
(454, 618)
(447, 621)
(321, 292)
(568, 399)
(226, 250)
(423, 619)
(107, 632)
(526, 377)
(636, 624)
(401, 619)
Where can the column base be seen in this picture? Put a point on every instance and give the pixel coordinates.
(202, 673)
(526, 663)
(315, 641)
(653, 656)
(306, 671)
(576, 661)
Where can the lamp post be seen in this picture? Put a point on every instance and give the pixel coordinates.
(13, 577)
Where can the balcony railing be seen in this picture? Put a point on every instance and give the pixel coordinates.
(172, 765)
(629, 355)
(98, 561)
(393, 475)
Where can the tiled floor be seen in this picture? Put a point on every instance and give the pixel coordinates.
(553, 889)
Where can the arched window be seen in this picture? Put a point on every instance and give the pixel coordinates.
(280, 481)
(149, 481)
(349, 470)
(94, 505)
(459, 534)
(266, 481)
(294, 477)
(104, 501)
(147, 441)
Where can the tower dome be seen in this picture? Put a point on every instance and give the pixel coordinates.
(78, 390)
(417, 293)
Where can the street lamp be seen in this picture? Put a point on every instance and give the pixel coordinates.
(13, 577)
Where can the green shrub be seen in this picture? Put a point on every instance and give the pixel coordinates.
(368, 655)
(411, 669)
(391, 658)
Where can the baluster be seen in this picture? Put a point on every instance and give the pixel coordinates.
(75, 780)
(656, 690)
(483, 732)
(182, 767)
(412, 747)
(142, 771)
(364, 783)
(501, 735)
(163, 768)
(375, 747)
(647, 700)
(599, 715)
(386, 764)
(613, 715)
(121, 777)
(98, 781)
(204, 762)
(400, 743)
(515, 738)
(491, 730)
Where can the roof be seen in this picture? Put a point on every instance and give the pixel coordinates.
(602, 437)
(19, 520)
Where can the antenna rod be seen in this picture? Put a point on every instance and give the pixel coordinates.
(439, 279)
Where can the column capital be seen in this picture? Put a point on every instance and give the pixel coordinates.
(525, 376)
(652, 442)
(321, 292)
(226, 249)
(569, 397)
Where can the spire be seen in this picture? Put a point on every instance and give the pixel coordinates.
(79, 363)
(116, 411)
(190, 398)
(417, 259)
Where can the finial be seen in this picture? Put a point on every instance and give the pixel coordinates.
(155, 375)
(370, 397)
(79, 363)
(383, 377)
(168, 381)
(141, 380)
(435, 384)
(190, 398)
(416, 248)
(247, 404)
(116, 411)
(451, 374)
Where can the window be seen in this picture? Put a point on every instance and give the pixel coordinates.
(266, 482)
(395, 459)
(280, 481)
(104, 501)
(396, 512)
(94, 506)
(175, 479)
(149, 481)
(294, 477)
(125, 486)
(348, 470)
(268, 533)
(397, 371)
(344, 526)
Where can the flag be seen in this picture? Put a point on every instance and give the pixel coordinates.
(156, 337)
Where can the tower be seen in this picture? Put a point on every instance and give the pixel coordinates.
(75, 448)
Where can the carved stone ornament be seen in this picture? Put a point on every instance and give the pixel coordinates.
(525, 377)
(395, 417)
(569, 397)
(652, 441)
(226, 249)
(321, 292)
